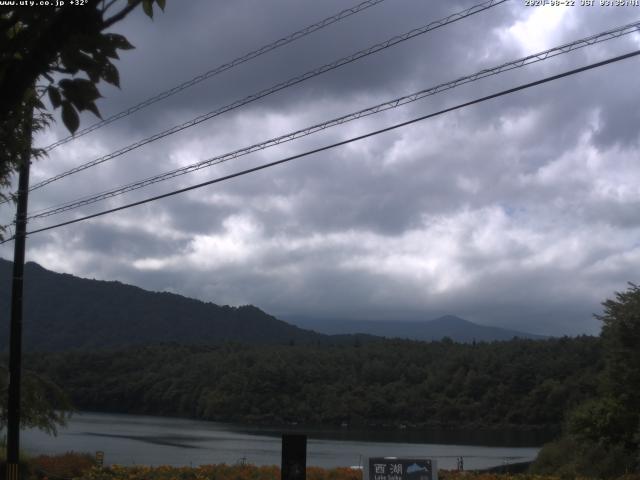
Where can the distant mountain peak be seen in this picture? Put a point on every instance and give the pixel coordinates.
(451, 326)
(450, 320)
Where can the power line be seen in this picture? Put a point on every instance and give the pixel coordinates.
(281, 86)
(343, 142)
(219, 69)
(394, 103)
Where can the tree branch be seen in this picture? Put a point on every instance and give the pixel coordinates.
(61, 70)
(108, 6)
(122, 13)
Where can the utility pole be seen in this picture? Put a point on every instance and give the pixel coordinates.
(15, 338)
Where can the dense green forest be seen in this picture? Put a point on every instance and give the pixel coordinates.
(392, 383)
(601, 437)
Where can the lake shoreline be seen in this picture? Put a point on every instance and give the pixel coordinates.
(509, 432)
(155, 441)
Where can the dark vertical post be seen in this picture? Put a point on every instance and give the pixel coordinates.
(294, 457)
(15, 338)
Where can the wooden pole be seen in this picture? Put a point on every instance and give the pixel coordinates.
(15, 336)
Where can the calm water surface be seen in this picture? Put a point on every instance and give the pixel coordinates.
(145, 440)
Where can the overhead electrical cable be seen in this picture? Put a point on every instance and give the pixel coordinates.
(343, 142)
(390, 104)
(219, 69)
(280, 86)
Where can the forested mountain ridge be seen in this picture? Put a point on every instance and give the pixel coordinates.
(67, 312)
(63, 312)
(520, 383)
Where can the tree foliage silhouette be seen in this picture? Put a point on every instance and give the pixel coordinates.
(62, 52)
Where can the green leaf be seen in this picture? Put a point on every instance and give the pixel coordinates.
(89, 65)
(118, 41)
(147, 6)
(91, 106)
(161, 4)
(54, 96)
(12, 32)
(110, 74)
(79, 91)
(70, 117)
(69, 61)
(106, 47)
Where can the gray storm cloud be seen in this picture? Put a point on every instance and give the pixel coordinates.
(519, 212)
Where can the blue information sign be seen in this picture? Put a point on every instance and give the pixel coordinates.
(396, 468)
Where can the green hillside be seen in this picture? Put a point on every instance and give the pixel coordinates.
(390, 383)
(63, 312)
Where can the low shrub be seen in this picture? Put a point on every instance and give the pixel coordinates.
(78, 466)
(67, 465)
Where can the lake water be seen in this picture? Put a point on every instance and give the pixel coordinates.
(145, 440)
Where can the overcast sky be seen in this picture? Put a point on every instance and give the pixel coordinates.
(521, 212)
